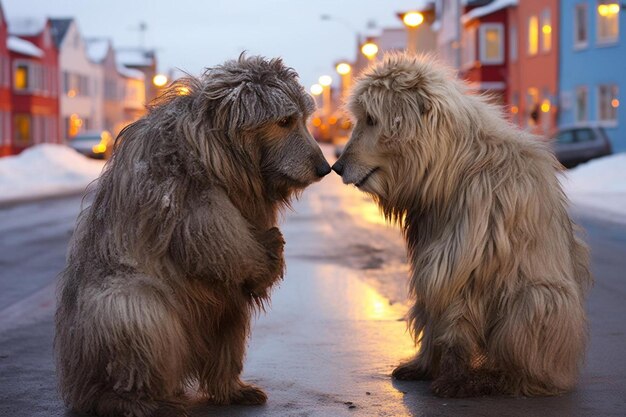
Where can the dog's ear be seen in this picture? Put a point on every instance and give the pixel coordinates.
(403, 115)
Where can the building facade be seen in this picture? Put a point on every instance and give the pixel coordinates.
(485, 53)
(35, 86)
(80, 81)
(5, 89)
(534, 65)
(592, 72)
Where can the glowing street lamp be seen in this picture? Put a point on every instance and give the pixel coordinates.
(159, 80)
(325, 80)
(343, 68)
(369, 49)
(317, 89)
(412, 19)
(608, 9)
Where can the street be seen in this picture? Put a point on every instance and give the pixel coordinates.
(334, 331)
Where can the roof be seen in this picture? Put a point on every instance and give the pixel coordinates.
(59, 29)
(97, 49)
(130, 72)
(26, 26)
(135, 57)
(488, 9)
(21, 46)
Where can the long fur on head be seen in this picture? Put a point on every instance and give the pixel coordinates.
(429, 116)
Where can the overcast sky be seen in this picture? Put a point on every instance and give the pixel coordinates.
(193, 34)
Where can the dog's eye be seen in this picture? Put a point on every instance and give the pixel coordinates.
(285, 121)
(370, 121)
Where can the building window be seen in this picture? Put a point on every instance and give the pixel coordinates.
(582, 98)
(607, 21)
(533, 35)
(546, 31)
(580, 26)
(607, 103)
(491, 43)
(513, 43)
(469, 47)
(21, 81)
(22, 124)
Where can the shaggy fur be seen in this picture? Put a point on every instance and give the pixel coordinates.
(180, 245)
(498, 275)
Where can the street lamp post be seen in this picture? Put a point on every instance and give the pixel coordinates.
(412, 20)
(370, 50)
(345, 72)
(325, 81)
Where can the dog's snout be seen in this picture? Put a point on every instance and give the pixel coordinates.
(338, 167)
(322, 169)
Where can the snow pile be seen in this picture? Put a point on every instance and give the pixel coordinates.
(45, 170)
(599, 185)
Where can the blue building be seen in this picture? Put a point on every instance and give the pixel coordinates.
(592, 68)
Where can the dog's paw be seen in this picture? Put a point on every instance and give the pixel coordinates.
(274, 243)
(249, 395)
(410, 372)
(472, 385)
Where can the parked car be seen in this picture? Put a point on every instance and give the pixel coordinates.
(575, 145)
(93, 144)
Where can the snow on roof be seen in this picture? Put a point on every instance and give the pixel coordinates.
(130, 72)
(23, 47)
(97, 49)
(26, 26)
(134, 57)
(492, 7)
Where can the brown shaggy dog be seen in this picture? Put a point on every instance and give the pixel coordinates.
(180, 245)
(498, 275)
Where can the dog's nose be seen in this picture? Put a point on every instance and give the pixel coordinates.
(338, 167)
(322, 170)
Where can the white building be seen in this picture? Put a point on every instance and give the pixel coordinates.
(81, 81)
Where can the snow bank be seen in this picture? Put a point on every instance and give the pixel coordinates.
(45, 170)
(599, 185)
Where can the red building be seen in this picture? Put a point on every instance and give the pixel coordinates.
(5, 89)
(35, 84)
(533, 69)
(485, 53)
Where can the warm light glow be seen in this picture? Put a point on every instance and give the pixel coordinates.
(608, 9)
(71, 93)
(343, 68)
(615, 103)
(325, 80)
(332, 120)
(546, 29)
(369, 49)
(545, 106)
(159, 80)
(316, 89)
(99, 148)
(182, 91)
(514, 109)
(75, 125)
(317, 122)
(413, 19)
(533, 35)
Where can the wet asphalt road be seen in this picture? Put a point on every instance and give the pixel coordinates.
(334, 331)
